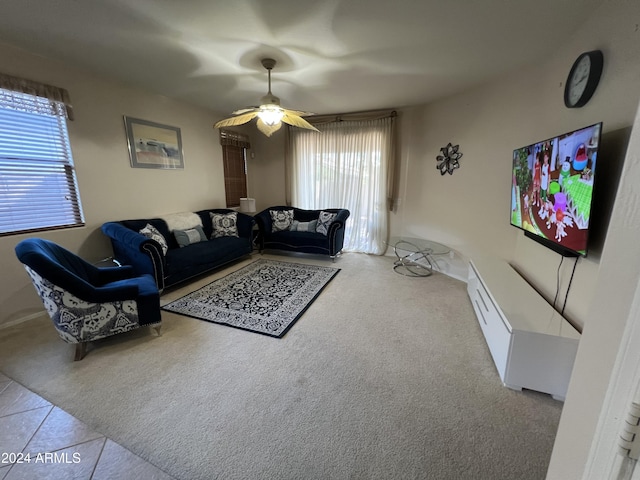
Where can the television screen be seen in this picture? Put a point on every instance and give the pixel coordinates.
(552, 187)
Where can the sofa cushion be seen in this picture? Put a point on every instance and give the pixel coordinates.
(297, 226)
(152, 232)
(325, 219)
(183, 263)
(190, 236)
(281, 220)
(302, 241)
(224, 224)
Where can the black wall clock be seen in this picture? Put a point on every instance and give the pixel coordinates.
(583, 79)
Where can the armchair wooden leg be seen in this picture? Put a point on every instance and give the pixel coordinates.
(158, 330)
(81, 351)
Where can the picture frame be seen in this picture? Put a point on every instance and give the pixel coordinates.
(153, 145)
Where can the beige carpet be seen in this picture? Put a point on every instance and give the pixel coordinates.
(384, 376)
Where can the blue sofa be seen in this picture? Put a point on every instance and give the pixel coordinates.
(302, 241)
(179, 264)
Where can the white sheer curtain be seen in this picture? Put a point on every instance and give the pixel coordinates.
(346, 165)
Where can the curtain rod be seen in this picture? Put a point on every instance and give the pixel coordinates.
(355, 116)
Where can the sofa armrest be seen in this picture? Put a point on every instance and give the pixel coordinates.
(113, 292)
(336, 230)
(341, 217)
(245, 226)
(132, 248)
(104, 275)
(263, 220)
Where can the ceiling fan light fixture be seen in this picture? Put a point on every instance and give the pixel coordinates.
(271, 114)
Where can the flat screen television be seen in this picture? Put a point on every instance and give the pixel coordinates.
(552, 189)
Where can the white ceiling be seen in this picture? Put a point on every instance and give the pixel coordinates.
(333, 55)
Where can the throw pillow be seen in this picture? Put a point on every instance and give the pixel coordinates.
(281, 220)
(189, 236)
(297, 226)
(324, 220)
(152, 232)
(224, 224)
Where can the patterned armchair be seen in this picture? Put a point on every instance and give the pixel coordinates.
(86, 302)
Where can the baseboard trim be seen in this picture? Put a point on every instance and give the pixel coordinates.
(20, 320)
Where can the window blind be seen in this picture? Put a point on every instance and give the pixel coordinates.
(229, 137)
(38, 186)
(235, 174)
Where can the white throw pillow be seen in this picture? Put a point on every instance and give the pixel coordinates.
(152, 232)
(224, 224)
(281, 220)
(297, 226)
(325, 219)
(190, 236)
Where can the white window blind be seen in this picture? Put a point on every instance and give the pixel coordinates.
(38, 187)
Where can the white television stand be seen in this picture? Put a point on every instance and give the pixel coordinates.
(532, 345)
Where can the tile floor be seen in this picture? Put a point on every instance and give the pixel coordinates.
(57, 444)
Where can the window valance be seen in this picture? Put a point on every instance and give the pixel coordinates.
(38, 89)
(228, 137)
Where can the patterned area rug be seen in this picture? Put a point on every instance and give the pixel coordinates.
(265, 297)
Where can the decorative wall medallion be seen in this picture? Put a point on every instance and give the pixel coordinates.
(448, 161)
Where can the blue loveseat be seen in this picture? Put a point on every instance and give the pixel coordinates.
(295, 240)
(178, 264)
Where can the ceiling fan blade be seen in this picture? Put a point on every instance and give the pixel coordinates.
(297, 121)
(267, 129)
(298, 113)
(237, 120)
(245, 110)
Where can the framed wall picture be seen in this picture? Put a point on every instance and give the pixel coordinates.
(153, 145)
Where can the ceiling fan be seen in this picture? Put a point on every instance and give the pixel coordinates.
(270, 114)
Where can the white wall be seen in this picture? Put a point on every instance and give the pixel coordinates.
(110, 189)
(265, 170)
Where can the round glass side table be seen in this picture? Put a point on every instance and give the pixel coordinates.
(415, 256)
